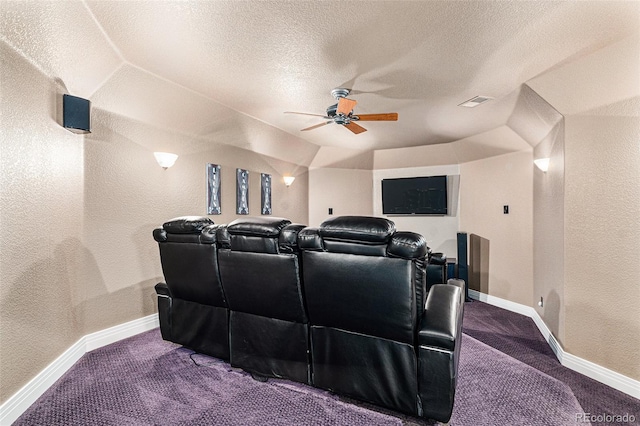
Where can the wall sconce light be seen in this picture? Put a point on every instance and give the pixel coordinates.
(542, 164)
(288, 180)
(165, 159)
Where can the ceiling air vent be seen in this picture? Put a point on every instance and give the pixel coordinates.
(474, 102)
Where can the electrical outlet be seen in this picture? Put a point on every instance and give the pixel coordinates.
(505, 209)
(330, 210)
(541, 302)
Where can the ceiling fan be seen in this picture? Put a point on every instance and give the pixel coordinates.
(342, 113)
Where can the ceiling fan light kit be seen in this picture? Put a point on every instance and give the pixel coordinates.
(342, 113)
(340, 92)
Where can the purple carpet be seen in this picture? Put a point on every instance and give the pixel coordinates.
(517, 336)
(146, 381)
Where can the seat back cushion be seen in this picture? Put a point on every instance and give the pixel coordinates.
(262, 284)
(188, 253)
(364, 294)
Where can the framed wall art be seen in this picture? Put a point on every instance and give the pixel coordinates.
(242, 191)
(265, 195)
(214, 205)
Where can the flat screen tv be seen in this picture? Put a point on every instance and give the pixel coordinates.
(418, 195)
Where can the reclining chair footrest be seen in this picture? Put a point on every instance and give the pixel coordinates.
(269, 347)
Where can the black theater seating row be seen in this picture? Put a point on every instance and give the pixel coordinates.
(343, 307)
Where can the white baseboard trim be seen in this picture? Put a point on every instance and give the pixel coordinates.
(501, 303)
(548, 335)
(594, 371)
(113, 334)
(29, 393)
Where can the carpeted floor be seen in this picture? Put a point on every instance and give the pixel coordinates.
(517, 336)
(508, 375)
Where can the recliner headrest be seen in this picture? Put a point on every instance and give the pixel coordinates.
(362, 229)
(269, 227)
(186, 224)
(407, 245)
(208, 235)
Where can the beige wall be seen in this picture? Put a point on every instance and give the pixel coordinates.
(548, 233)
(590, 207)
(77, 215)
(347, 191)
(485, 187)
(41, 190)
(602, 240)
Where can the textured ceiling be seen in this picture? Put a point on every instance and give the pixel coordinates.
(226, 71)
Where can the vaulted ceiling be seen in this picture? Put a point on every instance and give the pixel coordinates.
(226, 71)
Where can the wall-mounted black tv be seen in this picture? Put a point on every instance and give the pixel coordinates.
(418, 195)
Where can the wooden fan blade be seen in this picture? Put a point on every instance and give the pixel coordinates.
(389, 116)
(316, 126)
(345, 106)
(304, 113)
(355, 128)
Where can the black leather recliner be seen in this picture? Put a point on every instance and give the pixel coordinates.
(260, 271)
(344, 307)
(191, 304)
(371, 337)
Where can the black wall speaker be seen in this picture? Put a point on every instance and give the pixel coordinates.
(463, 263)
(462, 248)
(76, 114)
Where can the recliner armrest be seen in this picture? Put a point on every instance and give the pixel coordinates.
(440, 338)
(309, 239)
(162, 290)
(441, 323)
(288, 239)
(460, 284)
